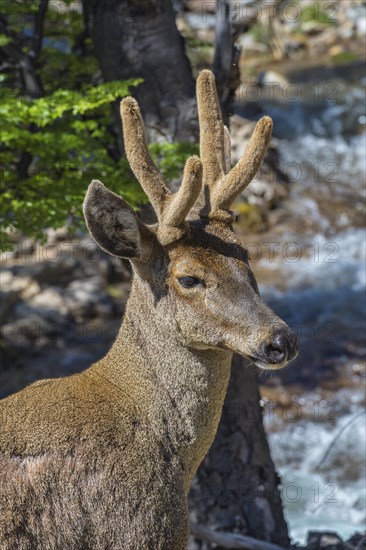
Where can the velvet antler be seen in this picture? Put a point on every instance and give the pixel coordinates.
(222, 185)
(171, 208)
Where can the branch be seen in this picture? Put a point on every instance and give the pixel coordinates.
(225, 64)
(39, 18)
(233, 541)
(79, 46)
(32, 85)
(31, 82)
(335, 439)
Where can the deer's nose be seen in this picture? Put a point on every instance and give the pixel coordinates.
(282, 347)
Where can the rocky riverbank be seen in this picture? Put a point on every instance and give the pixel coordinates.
(61, 306)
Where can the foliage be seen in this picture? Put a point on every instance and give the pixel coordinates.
(259, 32)
(69, 143)
(199, 52)
(66, 135)
(171, 157)
(346, 57)
(54, 143)
(314, 13)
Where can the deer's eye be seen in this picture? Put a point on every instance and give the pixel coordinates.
(190, 282)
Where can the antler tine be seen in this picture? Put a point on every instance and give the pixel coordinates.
(211, 129)
(183, 200)
(170, 208)
(227, 149)
(244, 171)
(139, 157)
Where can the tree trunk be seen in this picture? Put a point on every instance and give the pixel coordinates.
(139, 38)
(236, 486)
(226, 58)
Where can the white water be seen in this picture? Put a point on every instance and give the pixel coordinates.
(333, 164)
(326, 285)
(332, 497)
(322, 294)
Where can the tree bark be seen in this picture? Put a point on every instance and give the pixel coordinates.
(226, 58)
(31, 84)
(139, 38)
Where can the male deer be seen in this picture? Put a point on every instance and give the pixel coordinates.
(104, 459)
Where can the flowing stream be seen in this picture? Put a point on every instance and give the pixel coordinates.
(311, 269)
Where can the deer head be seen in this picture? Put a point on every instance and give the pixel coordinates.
(191, 261)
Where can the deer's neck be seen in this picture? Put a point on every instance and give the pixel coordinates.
(180, 389)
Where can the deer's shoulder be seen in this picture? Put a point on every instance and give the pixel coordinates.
(63, 414)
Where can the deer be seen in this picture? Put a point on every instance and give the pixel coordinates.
(103, 459)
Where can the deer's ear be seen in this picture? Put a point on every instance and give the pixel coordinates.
(111, 222)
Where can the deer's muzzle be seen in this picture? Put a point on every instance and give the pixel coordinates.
(279, 349)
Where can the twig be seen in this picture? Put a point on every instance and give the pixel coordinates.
(360, 544)
(225, 64)
(335, 439)
(233, 541)
(13, 51)
(39, 19)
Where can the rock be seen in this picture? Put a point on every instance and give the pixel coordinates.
(323, 538)
(23, 286)
(24, 248)
(51, 304)
(326, 540)
(7, 301)
(196, 6)
(357, 541)
(261, 192)
(336, 50)
(250, 217)
(312, 28)
(57, 235)
(7, 255)
(269, 186)
(30, 290)
(50, 314)
(272, 78)
(249, 45)
(24, 332)
(54, 271)
(87, 297)
(240, 130)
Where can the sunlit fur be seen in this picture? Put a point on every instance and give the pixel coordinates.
(103, 460)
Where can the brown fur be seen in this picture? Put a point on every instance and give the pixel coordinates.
(171, 209)
(222, 185)
(104, 459)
